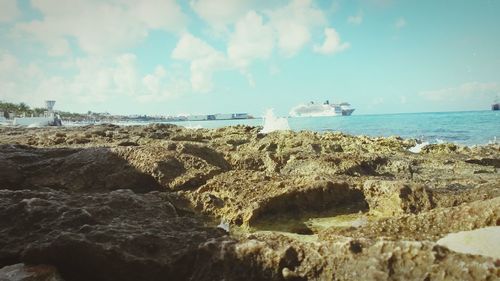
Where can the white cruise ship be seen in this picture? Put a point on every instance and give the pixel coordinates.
(317, 109)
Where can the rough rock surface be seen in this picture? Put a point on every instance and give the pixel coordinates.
(118, 235)
(243, 197)
(430, 225)
(141, 203)
(343, 258)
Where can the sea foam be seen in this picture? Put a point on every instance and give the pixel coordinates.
(418, 147)
(273, 123)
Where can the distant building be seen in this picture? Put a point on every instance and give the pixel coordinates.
(240, 116)
(197, 117)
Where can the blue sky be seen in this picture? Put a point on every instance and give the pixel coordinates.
(220, 56)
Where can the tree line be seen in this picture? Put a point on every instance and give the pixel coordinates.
(24, 109)
(19, 109)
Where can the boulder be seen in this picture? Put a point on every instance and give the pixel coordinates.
(101, 236)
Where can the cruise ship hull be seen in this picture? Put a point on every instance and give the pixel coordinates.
(347, 112)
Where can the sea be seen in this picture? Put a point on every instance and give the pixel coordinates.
(464, 128)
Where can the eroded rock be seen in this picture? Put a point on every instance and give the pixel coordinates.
(108, 236)
(245, 197)
(63, 204)
(389, 198)
(430, 225)
(72, 169)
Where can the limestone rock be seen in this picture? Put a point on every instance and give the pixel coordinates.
(75, 169)
(111, 202)
(244, 197)
(430, 225)
(111, 236)
(389, 198)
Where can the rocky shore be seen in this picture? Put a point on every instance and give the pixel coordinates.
(163, 202)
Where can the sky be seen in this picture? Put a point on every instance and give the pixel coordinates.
(219, 56)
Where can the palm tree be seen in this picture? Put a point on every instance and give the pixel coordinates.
(38, 111)
(8, 107)
(23, 107)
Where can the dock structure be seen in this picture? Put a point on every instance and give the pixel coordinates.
(210, 117)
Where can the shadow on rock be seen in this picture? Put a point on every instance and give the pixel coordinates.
(71, 169)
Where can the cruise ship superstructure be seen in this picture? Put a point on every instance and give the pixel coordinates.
(313, 109)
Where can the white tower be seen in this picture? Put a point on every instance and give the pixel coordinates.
(50, 105)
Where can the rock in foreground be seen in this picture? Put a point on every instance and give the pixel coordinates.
(142, 203)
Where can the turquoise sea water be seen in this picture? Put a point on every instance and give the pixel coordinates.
(467, 128)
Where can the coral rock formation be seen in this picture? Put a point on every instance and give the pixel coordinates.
(143, 203)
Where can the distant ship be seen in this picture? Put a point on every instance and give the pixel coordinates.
(495, 105)
(326, 109)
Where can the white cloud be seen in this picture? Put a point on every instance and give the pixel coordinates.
(204, 61)
(90, 80)
(400, 23)
(332, 43)
(403, 99)
(467, 92)
(160, 87)
(274, 70)
(9, 10)
(259, 24)
(152, 81)
(58, 47)
(7, 62)
(293, 24)
(335, 6)
(100, 26)
(250, 79)
(255, 35)
(159, 14)
(252, 39)
(190, 48)
(15, 79)
(356, 20)
(377, 101)
(104, 29)
(219, 13)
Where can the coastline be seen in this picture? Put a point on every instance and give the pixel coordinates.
(143, 202)
(461, 128)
